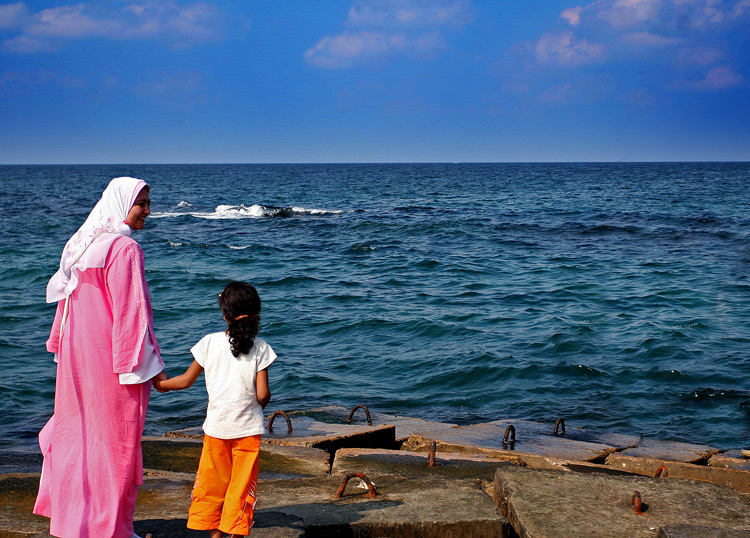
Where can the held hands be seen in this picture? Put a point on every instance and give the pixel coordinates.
(158, 378)
(164, 383)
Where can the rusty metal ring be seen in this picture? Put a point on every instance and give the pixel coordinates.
(510, 430)
(366, 480)
(661, 472)
(636, 502)
(560, 424)
(367, 413)
(273, 417)
(431, 455)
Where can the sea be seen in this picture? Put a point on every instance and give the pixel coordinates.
(613, 295)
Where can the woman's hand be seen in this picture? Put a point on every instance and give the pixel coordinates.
(158, 378)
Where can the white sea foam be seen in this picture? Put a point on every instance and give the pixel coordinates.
(183, 203)
(227, 212)
(316, 211)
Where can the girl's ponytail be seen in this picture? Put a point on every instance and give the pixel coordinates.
(240, 305)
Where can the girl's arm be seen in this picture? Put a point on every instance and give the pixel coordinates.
(262, 392)
(180, 382)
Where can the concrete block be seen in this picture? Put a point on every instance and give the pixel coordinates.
(551, 504)
(405, 426)
(404, 507)
(531, 438)
(733, 478)
(413, 465)
(309, 432)
(690, 531)
(161, 509)
(671, 451)
(17, 496)
(181, 455)
(730, 460)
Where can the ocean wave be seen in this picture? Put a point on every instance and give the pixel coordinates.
(228, 212)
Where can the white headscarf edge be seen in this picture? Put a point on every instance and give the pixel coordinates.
(89, 246)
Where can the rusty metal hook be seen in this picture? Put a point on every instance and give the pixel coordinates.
(560, 424)
(662, 472)
(367, 413)
(366, 480)
(510, 430)
(636, 502)
(270, 421)
(431, 455)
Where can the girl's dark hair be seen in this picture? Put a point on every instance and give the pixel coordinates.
(240, 305)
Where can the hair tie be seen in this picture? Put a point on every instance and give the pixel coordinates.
(245, 316)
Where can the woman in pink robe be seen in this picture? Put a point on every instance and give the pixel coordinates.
(106, 354)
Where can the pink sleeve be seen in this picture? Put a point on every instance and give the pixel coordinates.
(131, 307)
(53, 343)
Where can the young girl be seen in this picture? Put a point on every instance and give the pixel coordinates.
(235, 363)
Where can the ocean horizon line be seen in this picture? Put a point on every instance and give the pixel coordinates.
(350, 163)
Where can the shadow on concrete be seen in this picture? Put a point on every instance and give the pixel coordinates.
(267, 524)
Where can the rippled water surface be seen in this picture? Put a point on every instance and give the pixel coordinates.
(614, 295)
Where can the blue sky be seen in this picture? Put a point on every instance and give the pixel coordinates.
(374, 81)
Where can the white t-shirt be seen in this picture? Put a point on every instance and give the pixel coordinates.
(233, 409)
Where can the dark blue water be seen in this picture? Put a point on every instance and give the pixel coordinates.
(614, 295)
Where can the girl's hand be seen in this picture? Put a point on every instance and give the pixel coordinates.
(158, 378)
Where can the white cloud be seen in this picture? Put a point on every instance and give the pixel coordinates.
(721, 77)
(409, 14)
(622, 13)
(741, 8)
(178, 25)
(382, 28)
(673, 35)
(572, 15)
(183, 25)
(26, 45)
(342, 50)
(12, 15)
(197, 21)
(564, 49)
(68, 22)
(648, 40)
(428, 43)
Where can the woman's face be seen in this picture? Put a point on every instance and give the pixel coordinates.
(140, 210)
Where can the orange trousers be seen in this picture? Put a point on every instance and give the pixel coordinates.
(224, 490)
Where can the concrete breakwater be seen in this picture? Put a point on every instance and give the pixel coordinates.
(338, 472)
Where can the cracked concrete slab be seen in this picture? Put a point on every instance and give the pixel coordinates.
(531, 438)
(734, 478)
(553, 504)
(181, 455)
(671, 451)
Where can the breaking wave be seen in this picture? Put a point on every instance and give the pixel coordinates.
(226, 212)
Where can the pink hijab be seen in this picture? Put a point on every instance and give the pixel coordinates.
(89, 246)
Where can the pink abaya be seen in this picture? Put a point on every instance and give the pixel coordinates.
(93, 463)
